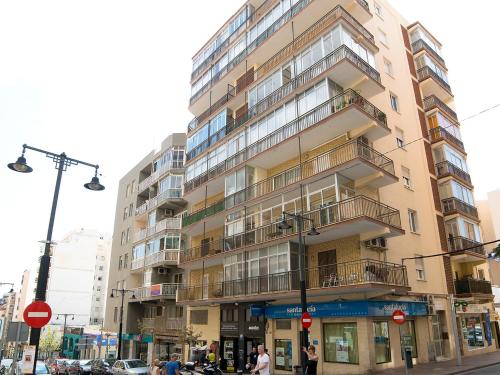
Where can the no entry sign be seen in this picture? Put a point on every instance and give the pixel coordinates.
(398, 317)
(306, 320)
(37, 314)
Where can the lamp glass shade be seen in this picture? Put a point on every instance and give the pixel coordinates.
(313, 232)
(284, 225)
(94, 184)
(20, 165)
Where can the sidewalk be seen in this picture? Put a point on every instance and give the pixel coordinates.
(448, 367)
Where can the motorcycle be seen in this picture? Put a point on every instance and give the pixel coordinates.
(211, 369)
(188, 369)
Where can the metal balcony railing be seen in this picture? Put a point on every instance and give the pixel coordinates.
(455, 205)
(427, 72)
(459, 243)
(163, 256)
(155, 176)
(137, 264)
(364, 271)
(432, 101)
(202, 213)
(419, 45)
(334, 213)
(446, 168)
(157, 290)
(348, 99)
(440, 133)
(169, 223)
(471, 286)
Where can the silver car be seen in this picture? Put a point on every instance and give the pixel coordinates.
(130, 367)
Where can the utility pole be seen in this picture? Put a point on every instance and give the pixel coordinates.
(122, 293)
(64, 329)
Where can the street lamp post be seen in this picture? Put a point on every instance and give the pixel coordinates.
(64, 328)
(283, 225)
(107, 343)
(122, 292)
(62, 162)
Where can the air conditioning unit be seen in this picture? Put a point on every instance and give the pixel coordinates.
(376, 243)
(162, 271)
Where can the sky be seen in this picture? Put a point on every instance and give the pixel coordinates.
(106, 81)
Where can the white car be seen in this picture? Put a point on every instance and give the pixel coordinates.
(130, 367)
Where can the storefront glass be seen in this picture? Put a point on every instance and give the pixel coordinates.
(382, 342)
(341, 342)
(408, 338)
(472, 332)
(283, 355)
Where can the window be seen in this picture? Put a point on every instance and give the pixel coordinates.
(101, 268)
(99, 278)
(98, 288)
(127, 191)
(419, 268)
(405, 176)
(383, 37)
(382, 342)
(394, 102)
(472, 332)
(120, 263)
(98, 299)
(199, 317)
(408, 338)
(388, 67)
(283, 354)
(132, 187)
(122, 241)
(125, 213)
(115, 314)
(130, 209)
(283, 324)
(412, 221)
(400, 138)
(378, 10)
(341, 342)
(128, 235)
(125, 261)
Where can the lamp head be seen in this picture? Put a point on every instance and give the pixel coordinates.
(94, 184)
(283, 225)
(313, 231)
(133, 296)
(112, 295)
(20, 165)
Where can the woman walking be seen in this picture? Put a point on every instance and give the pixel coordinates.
(312, 360)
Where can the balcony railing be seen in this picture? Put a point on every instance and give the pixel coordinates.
(157, 290)
(204, 212)
(455, 205)
(433, 101)
(357, 207)
(421, 45)
(193, 124)
(440, 133)
(459, 243)
(331, 159)
(349, 98)
(163, 256)
(445, 168)
(427, 72)
(308, 35)
(155, 176)
(162, 324)
(364, 271)
(169, 223)
(137, 264)
(471, 286)
(252, 46)
(169, 194)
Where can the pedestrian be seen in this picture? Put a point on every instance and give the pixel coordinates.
(263, 362)
(155, 367)
(312, 360)
(211, 356)
(172, 365)
(253, 357)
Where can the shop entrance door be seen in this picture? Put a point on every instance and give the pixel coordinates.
(437, 336)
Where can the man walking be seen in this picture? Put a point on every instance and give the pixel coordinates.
(173, 366)
(263, 362)
(253, 357)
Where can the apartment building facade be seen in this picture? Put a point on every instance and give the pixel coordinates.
(339, 111)
(145, 251)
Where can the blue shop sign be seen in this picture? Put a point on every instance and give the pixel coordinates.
(348, 309)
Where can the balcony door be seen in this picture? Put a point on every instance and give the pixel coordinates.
(327, 264)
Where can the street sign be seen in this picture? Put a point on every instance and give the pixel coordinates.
(28, 359)
(37, 314)
(398, 317)
(306, 320)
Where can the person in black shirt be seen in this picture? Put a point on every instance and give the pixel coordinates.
(312, 360)
(253, 357)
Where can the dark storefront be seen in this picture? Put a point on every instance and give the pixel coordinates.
(240, 332)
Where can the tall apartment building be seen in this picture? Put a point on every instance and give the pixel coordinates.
(78, 277)
(311, 107)
(7, 308)
(24, 297)
(145, 253)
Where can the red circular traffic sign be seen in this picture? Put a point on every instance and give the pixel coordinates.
(37, 314)
(398, 317)
(306, 320)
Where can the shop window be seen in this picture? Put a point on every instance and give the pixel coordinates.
(283, 324)
(382, 342)
(283, 355)
(230, 315)
(408, 338)
(199, 317)
(341, 342)
(472, 332)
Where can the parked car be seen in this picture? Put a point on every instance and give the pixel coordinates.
(85, 366)
(130, 367)
(101, 366)
(41, 368)
(70, 367)
(55, 364)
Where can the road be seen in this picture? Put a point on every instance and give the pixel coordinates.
(492, 370)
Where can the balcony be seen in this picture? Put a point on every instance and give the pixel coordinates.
(161, 324)
(460, 244)
(155, 176)
(157, 291)
(162, 258)
(137, 264)
(468, 287)
(433, 84)
(203, 213)
(441, 134)
(432, 101)
(447, 169)
(169, 223)
(172, 198)
(345, 112)
(421, 45)
(342, 219)
(356, 276)
(452, 206)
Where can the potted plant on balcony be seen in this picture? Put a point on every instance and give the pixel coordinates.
(381, 117)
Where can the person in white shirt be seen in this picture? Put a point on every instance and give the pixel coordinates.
(263, 362)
